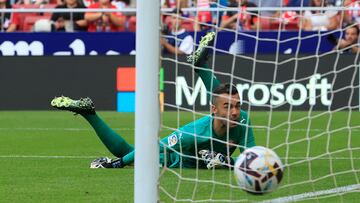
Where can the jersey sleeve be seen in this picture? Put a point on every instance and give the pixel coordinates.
(171, 142)
(15, 19)
(182, 141)
(208, 78)
(173, 147)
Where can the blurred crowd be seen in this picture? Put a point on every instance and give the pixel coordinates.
(64, 21)
(239, 18)
(183, 17)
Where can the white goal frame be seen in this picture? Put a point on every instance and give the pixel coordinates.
(147, 110)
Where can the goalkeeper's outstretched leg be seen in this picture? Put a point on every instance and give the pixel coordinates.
(85, 107)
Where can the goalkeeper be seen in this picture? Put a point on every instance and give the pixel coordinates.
(207, 142)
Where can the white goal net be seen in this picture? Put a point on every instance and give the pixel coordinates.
(298, 84)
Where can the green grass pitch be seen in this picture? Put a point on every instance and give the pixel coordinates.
(45, 157)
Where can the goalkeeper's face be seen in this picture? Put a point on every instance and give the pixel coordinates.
(227, 108)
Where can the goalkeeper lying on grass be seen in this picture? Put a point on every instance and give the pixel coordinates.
(210, 140)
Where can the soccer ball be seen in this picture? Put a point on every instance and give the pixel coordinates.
(258, 170)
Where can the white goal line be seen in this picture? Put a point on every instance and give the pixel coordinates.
(355, 129)
(92, 157)
(49, 157)
(60, 129)
(308, 195)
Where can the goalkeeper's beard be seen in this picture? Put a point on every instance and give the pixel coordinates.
(221, 125)
(224, 121)
(231, 120)
(231, 123)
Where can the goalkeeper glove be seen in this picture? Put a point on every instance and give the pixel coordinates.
(105, 162)
(215, 160)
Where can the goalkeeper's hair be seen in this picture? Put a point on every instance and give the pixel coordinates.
(226, 88)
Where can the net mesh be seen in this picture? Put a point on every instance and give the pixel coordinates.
(299, 87)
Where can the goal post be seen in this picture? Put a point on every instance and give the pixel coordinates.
(147, 110)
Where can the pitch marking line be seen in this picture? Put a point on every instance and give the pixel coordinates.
(48, 157)
(88, 157)
(306, 195)
(132, 129)
(60, 129)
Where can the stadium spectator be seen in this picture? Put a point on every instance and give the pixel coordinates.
(336, 2)
(176, 3)
(177, 40)
(17, 18)
(297, 3)
(268, 17)
(15, 21)
(104, 21)
(242, 19)
(87, 3)
(179, 4)
(69, 21)
(217, 15)
(291, 20)
(319, 19)
(29, 2)
(350, 42)
(120, 4)
(268, 3)
(204, 18)
(4, 17)
(352, 15)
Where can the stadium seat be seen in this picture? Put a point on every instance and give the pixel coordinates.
(264, 23)
(21, 16)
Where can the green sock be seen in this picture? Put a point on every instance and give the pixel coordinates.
(129, 158)
(113, 141)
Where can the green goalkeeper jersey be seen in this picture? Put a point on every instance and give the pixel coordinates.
(181, 148)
